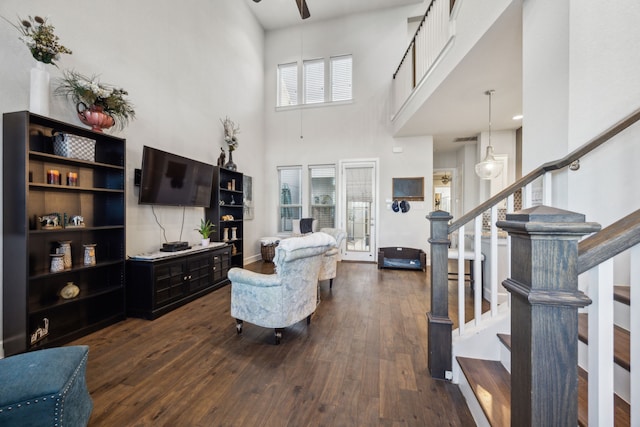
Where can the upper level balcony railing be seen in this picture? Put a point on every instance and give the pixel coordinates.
(423, 52)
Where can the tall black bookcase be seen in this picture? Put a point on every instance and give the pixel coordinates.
(35, 315)
(226, 211)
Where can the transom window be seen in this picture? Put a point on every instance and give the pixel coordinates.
(315, 81)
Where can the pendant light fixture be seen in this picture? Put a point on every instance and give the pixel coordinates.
(489, 168)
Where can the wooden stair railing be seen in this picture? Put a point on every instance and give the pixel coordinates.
(562, 163)
(592, 251)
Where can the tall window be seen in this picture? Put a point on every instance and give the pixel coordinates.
(341, 78)
(287, 84)
(314, 81)
(290, 207)
(322, 190)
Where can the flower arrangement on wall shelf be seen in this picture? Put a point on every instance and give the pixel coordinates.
(89, 94)
(40, 38)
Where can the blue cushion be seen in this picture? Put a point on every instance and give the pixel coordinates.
(45, 387)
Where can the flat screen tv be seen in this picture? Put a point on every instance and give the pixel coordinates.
(169, 179)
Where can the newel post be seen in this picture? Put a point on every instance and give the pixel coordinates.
(544, 314)
(440, 325)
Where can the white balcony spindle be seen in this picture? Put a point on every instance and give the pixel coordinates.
(461, 313)
(477, 273)
(634, 328)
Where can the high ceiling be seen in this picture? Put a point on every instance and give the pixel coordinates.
(273, 14)
(458, 108)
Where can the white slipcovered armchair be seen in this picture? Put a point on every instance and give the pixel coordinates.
(331, 257)
(286, 297)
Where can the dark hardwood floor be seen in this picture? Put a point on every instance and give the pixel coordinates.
(361, 362)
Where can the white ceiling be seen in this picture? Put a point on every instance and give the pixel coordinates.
(459, 107)
(273, 14)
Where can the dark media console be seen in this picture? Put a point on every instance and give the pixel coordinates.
(157, 285)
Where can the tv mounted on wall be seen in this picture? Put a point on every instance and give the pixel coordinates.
(173, 180)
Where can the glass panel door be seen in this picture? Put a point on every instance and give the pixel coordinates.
(359, 209)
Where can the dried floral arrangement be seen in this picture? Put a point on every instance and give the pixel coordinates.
(40, 38)
(91, 92)
(230, 132)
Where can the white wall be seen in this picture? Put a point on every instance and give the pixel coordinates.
(580, 77)
(185, 66)
(361, 129)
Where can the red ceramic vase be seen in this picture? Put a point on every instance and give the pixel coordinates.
(94, 116)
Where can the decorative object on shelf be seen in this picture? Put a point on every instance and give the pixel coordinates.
(234, 250)
(221, 158)
(72, 179)
(489, 167)
(225, 236)
(90, 254)
(247, 197)
(70, 291)
(39, 90)
(39, 37)
(74, 146)
(234, 233)
(233, 201)
(94, 116)
(53, 176)
(41, 332)
(76, 221)
(50, 221)
(227, 218)
(98, 105)
(45, 48)
(206, 229)
(230, 132)
(65, 250)
(57, 263)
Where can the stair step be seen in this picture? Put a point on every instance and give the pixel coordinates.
(622, 410)
(469, 366)
(491, 384)
(505, 339)
(622, 294)
(621, 341)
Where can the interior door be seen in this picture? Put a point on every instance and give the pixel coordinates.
(358, 208)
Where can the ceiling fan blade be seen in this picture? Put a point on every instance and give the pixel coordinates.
(302, 7)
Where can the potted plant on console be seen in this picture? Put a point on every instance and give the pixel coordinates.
(205, 230)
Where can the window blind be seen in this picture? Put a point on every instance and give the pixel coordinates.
(313, 81)
(341, 78)
(287, 84)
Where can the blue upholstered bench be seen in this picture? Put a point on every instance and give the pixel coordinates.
(45, 388)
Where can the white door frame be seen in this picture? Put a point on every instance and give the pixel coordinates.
(371, 255)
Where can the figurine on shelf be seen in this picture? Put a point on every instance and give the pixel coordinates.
(76, 221)
(41, 332)
(50, 221)
(222, 157)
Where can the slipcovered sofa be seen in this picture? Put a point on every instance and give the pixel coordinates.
(286, 297)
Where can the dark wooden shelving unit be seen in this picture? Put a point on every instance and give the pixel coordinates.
(227, 199)
(30, 290)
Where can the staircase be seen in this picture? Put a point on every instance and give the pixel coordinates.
(482, 356)
(490, 381)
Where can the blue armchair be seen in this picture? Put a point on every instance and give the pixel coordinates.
(286, 297)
